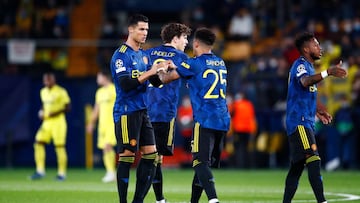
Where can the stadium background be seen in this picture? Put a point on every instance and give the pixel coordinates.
(75, 38)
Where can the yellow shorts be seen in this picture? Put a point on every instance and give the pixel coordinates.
(106, 136)
(52, 130)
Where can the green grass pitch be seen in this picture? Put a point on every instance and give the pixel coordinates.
(241, 186)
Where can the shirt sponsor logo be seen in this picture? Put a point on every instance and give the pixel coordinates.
(313, 88)
(136, 73)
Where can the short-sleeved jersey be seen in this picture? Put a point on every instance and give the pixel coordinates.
(127, 62)
(206, 78)
(105, 99)
(162, 101)
(54, 99)
(301, 101)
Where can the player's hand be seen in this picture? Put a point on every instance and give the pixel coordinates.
(89, 128)
(324, 117)
(337, 71)
(171, 64)
(41, 114)
(161, 67)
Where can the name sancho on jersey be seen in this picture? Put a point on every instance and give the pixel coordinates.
(215, 63)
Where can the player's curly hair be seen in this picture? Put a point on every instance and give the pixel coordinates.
(169, 31)
(302, 38)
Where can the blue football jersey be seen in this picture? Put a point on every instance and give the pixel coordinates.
(301, 101)
(162, 101)
(126, 62)
(206, 78)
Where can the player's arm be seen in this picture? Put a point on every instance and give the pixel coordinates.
(66, 109)
(127, 83)
(322, 113)
(335, 71)
(170, 74)
(167, 77)
(155, 80)
(93, 118)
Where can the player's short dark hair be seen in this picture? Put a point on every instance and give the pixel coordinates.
(205, 35)
(49, 74)
(302, 38)
(169, 31)
(135, 18)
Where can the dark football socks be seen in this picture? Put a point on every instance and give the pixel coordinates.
(123, 173)
(196, 190)
(158, 183)
(206, 179)
(316, 180)
(144, 175)
(292, 181)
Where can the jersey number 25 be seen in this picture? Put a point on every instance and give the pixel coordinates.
(219, 77)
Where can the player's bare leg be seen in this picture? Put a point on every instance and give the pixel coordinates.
(39, 155)
(109, 163)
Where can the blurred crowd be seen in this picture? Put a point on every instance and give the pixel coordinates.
(255, 38)
(34, 20)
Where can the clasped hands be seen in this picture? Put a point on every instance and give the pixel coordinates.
(164, 66)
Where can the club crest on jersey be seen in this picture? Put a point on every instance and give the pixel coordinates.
(133, 142)
(146, 60)
(119, 64)
(300, 70)
(314, 147)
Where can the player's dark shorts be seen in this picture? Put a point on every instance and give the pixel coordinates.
(164, 136)
(207, 145)
(134, 130)
(302, 144)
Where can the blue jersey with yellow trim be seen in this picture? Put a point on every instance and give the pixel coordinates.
(206, 78)
(162, 101)
(126, 62)
(301, 101)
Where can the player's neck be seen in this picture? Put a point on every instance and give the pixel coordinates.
(170, 45)
(133, 44)
(106, 84)
(203, 51)
(308, 58)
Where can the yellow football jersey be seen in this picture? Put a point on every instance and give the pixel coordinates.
(54, 99)
(105, 99)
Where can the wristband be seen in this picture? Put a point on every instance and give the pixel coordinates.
(324, 74)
